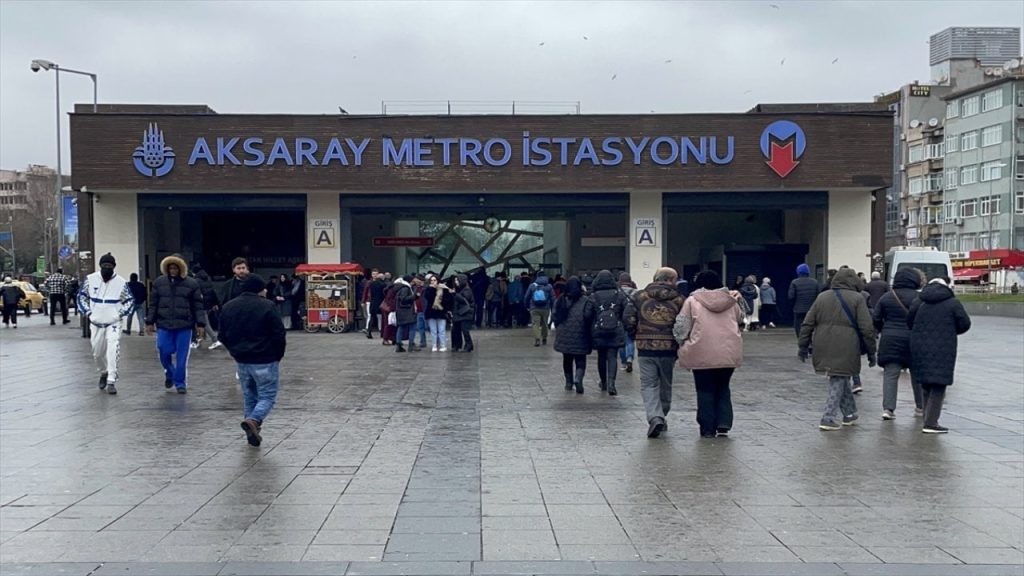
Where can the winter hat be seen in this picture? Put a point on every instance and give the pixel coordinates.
(253, 283)
(108, 258)
(803, 270)
(407, 278)
(766, 281)
(8, 280)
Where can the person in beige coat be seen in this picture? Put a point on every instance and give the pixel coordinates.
(710, 344)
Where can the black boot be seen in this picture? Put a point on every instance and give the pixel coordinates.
(603, 385)
(399, 348)
(536, 342)
(568, 382)
(579, 380)
(611, 389)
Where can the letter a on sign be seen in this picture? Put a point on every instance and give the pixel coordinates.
(323, 239)
(645, 237)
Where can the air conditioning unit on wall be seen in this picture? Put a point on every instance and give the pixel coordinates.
(958, 221)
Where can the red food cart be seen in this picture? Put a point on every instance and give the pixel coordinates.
(331, 299)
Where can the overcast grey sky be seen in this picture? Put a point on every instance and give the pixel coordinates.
(311, 57)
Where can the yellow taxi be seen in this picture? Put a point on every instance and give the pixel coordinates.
(33, 298)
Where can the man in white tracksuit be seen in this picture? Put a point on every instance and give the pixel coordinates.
(105, 299)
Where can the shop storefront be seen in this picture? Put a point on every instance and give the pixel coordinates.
(742, 193)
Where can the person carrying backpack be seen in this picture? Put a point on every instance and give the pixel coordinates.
(539, 299)
(609, 332)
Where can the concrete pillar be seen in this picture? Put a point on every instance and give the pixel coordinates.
(645, 259)
(116, 230)
(849, 230)
(323, 234)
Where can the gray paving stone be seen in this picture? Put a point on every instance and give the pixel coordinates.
(779, 569)
(604, 568)
(159, 569)
(931, 570)
(284, 569)
(409, 569)
(48, 569)
(533, 568)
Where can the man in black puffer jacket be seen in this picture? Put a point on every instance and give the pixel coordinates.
(890, 319)
(175, 311)
(936, 319)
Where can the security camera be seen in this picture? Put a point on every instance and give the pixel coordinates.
(36, 67)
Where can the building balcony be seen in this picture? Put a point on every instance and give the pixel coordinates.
(933, 230)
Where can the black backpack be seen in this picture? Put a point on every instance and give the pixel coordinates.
(607, 321)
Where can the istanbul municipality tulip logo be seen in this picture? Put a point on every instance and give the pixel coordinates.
(154, 158)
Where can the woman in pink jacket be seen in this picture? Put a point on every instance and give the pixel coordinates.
(710, 344)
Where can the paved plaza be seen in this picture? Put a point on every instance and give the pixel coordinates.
(437, 463)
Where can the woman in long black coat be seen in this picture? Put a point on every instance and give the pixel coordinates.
(890, 318)
(463, 314)
(608, 334)
(936, 319)
(574, 317)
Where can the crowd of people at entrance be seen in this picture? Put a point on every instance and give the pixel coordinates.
(696, 324)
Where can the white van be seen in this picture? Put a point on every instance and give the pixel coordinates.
(928, 259)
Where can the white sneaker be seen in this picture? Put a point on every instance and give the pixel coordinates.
(771, 324)
(442, 349)
(888, 415)
(918, 413)
(194, 345)
(215, 345)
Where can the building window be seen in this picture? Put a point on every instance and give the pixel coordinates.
(952, 109)
(969, 140)
(968, 242)
(968, 208)
(968, 174)
(991, 171)
(949, 243)
(916, 154)
(912, 218)
(992, 100)
(982, 240)
(935, 151)
(949, 211)
(1019, 171)
(892, 215)
(952, 141)
(916, 186)
(1018, 202)
(935, 214)
(991, 205)
(992, 135)
(951, 180)
(933, 182)
(969, 106)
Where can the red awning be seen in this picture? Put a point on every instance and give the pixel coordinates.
(969, 273)
(344, 268)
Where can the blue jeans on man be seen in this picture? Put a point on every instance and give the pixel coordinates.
(174, 343)
(259, 388)
(421, 329)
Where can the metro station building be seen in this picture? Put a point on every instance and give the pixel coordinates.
(750, 193)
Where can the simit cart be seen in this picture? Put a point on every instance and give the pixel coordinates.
(331, 298)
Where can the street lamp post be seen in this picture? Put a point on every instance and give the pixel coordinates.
(36, 66)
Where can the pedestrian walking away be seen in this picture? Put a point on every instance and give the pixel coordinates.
(439, 302)
(463, 315)
(890, 320)
(609, 333)
(574, 318)
(57, 287)
(175, 312)
(752, 294)
(936, 321)
(254, 335)
(539, 298)
(10, 295)
(628, 351)
(768, 303)
(139, 298)
(650, 318)
(711, 345)
(802, 293)
(840, 329)
(105, 299)
(211, 305)
(876, 288)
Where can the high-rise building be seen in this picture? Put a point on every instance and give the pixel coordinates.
(990, 46)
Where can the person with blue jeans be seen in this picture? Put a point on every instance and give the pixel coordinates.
(175, 311)
(627, 352)
(252, 331)
(421, 317)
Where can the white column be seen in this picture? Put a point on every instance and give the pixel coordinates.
(116, 230)
(323, 235)
(849, 230)
(645, 258)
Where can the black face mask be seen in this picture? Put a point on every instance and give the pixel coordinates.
(107, 273)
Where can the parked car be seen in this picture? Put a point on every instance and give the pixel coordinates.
(33, 300)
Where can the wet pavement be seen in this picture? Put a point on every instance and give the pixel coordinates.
(437, 463)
